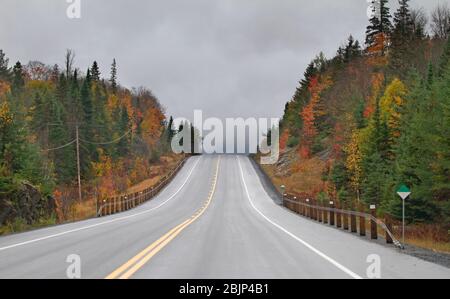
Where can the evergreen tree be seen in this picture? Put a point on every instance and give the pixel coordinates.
(441, 162)
(95, 72)
(18, 79)
(401, 40)
(4, 69)
(113, 79)
(375, 163)
(445, 58)
(414, 155)
(380, 26)
(353, 49)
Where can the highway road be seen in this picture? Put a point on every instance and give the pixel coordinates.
(214, 220)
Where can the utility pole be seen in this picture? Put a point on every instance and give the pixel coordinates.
(78, 164)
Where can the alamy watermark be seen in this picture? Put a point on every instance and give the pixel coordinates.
(74, 9)
(374, 269)
(234, 136)
(373, 9)
(74, 269)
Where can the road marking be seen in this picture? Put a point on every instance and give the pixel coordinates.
(138, 261)
(307, 245)
(105, 222)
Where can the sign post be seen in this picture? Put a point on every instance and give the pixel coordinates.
(404, 193)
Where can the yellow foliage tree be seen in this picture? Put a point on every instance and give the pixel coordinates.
(390, 104)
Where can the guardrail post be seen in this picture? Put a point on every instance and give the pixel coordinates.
(353, 222)
(325, 214)
(108, 202)
(319, 211)
(332, 213)
(373, 223)
(338, 216)
(316, 210)
(362, 223)
(308, 208)
(389, 227)
(303, 208)
(296, 205)
(345, 217)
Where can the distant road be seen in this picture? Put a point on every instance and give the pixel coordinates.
(214, 220)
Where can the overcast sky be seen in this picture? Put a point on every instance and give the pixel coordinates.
(229, 58)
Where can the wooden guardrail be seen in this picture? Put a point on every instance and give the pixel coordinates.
(129, 201)
(334, 215)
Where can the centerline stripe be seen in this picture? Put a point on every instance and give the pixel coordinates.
(137, 262)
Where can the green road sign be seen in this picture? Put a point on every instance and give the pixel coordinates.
(404, 192)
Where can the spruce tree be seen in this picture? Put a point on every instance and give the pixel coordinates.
(414, 154)
(380, 25)
(95, 72)
(18, 78)
(4, 69)
(401, 40)
(113, 79)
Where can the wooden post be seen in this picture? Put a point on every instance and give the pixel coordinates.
(362, 223)
(373, 223)
(325, 215)
(338, 216)
(303, 208)
(319, 211)
(353, 224)
(345, 216)
(316, 210)
(389, 227)
(332, 213)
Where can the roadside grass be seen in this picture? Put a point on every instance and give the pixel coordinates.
(20, 225)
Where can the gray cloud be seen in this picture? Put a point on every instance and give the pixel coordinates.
(228, 57)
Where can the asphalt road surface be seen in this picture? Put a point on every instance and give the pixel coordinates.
(214, 220)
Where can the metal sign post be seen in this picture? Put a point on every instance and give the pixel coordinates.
(404, 193)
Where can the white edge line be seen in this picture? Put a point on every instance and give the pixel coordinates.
(105, 222)
(318, 252)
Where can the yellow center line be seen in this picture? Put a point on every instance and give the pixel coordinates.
(137, 262)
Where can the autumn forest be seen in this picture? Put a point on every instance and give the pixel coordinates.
(374, 117)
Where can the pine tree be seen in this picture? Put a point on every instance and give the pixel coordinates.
(4, 69)
(18, 78)
(375, 162)
(441, 162)
(443, 64)
(113, 79)
(380, 27)
(401, 40)
(414, 155)
(95, 72)
(353, 49)
(86, 99)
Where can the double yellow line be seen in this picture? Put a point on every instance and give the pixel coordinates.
(137, 262)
